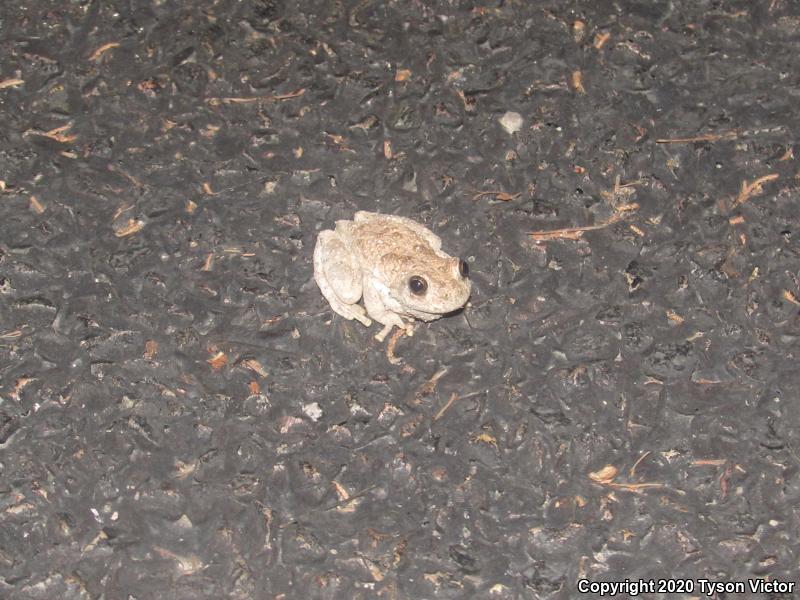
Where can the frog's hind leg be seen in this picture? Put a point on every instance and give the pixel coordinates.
(338, 276)
(384, 316)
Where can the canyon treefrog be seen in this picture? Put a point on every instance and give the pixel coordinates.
(395, 264)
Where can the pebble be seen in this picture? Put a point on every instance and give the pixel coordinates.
(511, 122)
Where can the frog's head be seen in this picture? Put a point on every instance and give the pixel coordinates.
(431, 288)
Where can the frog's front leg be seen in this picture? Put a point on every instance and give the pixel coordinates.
(338, 276)
(378, 311)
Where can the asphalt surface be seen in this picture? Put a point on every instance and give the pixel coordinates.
(182, 416)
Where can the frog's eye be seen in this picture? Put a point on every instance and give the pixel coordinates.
(417, 285)
(463, 268)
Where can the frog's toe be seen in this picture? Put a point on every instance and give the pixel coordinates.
(354, 311)
(381, 335)
(364, 320)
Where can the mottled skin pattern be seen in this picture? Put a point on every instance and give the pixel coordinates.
(376, 256)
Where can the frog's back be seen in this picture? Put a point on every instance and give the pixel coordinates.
(374, 236)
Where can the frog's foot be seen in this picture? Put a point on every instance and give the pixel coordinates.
(353, 311)
(408, 328)
(381, 335)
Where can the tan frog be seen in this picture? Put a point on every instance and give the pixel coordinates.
(396, 264)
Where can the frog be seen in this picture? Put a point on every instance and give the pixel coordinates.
(396, 265)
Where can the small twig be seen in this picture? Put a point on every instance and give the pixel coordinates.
(576, 82)
(448, 404)
(790, 296)
(250, 100)
(338, 141)
(350, 499)
(132, 226)
(636, 464)
(600, 39)
(6, 83)
(752, 189)
(102, 50)
(708, 462)
(126, 175)
(427, 388)
(574, 233)
(635, 487)
(620, 212)
(502, 196)
(120, 210)
(58, 134)
(620, 191)
(390, 346)
(607, 474)
(706, 137)
(35, 205)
